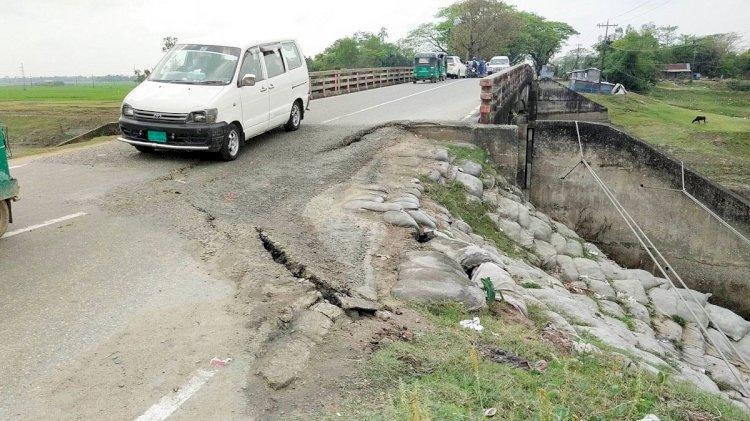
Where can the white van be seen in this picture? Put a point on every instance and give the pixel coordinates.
(213, 97)
(497, 64)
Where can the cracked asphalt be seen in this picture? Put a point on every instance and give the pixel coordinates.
(159, 269)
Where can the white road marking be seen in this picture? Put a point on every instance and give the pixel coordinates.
(19, 166)
(44, 224)
(388, 102)
(170, 402)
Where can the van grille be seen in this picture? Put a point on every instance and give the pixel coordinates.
(159, 116)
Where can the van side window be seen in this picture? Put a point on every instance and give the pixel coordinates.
(252, 65)
(291, 54)
(274, 64)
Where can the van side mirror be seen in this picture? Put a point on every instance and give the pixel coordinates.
(248, 80)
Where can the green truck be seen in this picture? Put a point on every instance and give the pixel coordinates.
(8, 184)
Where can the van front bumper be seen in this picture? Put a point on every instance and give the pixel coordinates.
(192, 137)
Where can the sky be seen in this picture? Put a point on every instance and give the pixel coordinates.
(72, 37)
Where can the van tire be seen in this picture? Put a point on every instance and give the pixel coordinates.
(230, 146)
(4, 216)
(295, 117)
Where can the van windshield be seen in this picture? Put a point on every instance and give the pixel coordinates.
(500, 60)
(197, 64)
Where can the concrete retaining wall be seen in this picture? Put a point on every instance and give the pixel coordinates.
(500, 141)
(707, 255)
(555, 101)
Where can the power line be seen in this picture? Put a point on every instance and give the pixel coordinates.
(630, 10)
(606, 27)
(648, 11)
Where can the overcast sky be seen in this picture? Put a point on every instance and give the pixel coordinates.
(68, 37)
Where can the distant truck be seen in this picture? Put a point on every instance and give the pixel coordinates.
(8, 185)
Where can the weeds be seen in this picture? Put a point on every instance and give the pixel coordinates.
(679, 320)
(461, 383)
(453, 197)
(489, 290)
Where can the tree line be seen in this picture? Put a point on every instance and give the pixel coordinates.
(467, 28)
(637, 57)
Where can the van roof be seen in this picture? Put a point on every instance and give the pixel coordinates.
(235, 42)
(498, 57)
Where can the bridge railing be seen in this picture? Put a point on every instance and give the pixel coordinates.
(501, 90)
(337, 82)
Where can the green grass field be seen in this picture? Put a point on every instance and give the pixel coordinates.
(101, 92)
(42, 116)
(719, 149)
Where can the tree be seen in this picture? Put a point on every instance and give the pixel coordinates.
(711, 55)
(480, 28)
(363, 49)
(574, 59)
(429, 37)
(539, 38)
(169, 42)
(485, 28)
(632, 60)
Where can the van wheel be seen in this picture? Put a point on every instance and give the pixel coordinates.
(295, 117)
(230, 148)
(4, 216)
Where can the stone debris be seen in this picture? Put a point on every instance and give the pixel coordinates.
(579, 289)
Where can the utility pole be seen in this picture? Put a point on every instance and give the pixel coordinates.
(606, 27)
(23, 77)
(578, 54)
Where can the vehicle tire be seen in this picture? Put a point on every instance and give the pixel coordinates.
(4, 216)
(434, 80)
(145, 149)
(230, 147)
(295, 117)
(414, 81)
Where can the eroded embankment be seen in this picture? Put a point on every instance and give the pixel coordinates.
(530, 260)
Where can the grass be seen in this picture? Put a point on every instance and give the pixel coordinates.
(67, 93)
(440, 375)
(719, 149)
(474, 213)
(41, 116)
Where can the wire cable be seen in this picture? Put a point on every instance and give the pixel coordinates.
(637, 6)
(643, 239)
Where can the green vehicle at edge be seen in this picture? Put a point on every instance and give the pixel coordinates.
(8, 184)
(430, 66)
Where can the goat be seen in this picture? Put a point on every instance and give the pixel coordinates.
(699, 119)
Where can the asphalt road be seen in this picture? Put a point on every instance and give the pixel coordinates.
(124, 274)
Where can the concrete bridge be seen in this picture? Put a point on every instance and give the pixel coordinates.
(140, 241)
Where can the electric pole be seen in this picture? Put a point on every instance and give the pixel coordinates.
(23, 77)
(578, 54)
(606, 27)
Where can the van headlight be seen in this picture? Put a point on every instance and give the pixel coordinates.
(127, 110)
(203, 116)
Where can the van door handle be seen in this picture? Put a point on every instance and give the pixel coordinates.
(270, 86)
(263, 89)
